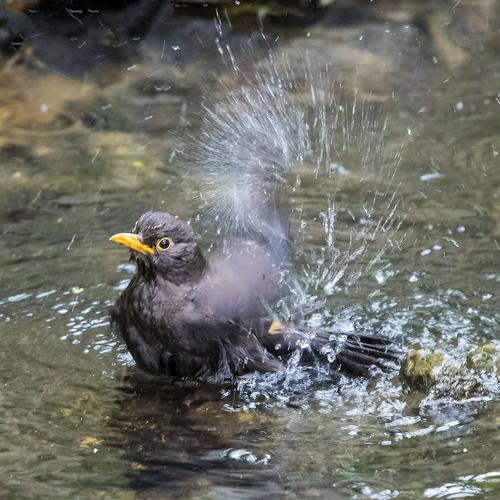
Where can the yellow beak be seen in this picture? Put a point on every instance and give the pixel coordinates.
(132, 241)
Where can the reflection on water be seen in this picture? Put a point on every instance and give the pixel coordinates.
(96, 120)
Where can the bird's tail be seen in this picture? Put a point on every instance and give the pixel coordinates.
(355, 353)
(360, 353)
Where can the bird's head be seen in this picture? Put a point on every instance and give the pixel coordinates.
(165, 246)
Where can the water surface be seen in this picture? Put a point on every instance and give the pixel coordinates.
(88, 143)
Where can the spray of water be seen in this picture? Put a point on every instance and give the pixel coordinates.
(250, 140)
(271, 130)
(352, 143)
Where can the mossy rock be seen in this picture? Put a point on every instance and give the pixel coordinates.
(485, 358)
(446, 377)
(420, 369)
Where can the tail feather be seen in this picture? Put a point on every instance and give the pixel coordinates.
(360, 353)
(357, 353)
(354, 353)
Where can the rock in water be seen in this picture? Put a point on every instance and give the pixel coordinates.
(445, 377)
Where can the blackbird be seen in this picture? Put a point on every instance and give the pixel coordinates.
(184, 317)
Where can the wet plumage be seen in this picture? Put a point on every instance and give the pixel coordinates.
(185, 317)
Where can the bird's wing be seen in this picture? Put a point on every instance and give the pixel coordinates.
(243, 283)
(216, 349)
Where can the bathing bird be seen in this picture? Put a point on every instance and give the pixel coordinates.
(185, 317)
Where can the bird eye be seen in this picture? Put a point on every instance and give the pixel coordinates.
(164, 244)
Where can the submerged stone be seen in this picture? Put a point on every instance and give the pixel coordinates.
(458, 387)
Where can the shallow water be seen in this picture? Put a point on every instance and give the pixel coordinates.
(87, 146)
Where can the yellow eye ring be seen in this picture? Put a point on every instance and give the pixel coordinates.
(164, 244)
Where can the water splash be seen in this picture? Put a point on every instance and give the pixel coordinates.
(267, 133)
(249, 142)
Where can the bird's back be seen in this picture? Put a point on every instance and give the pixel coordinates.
(241, 284)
